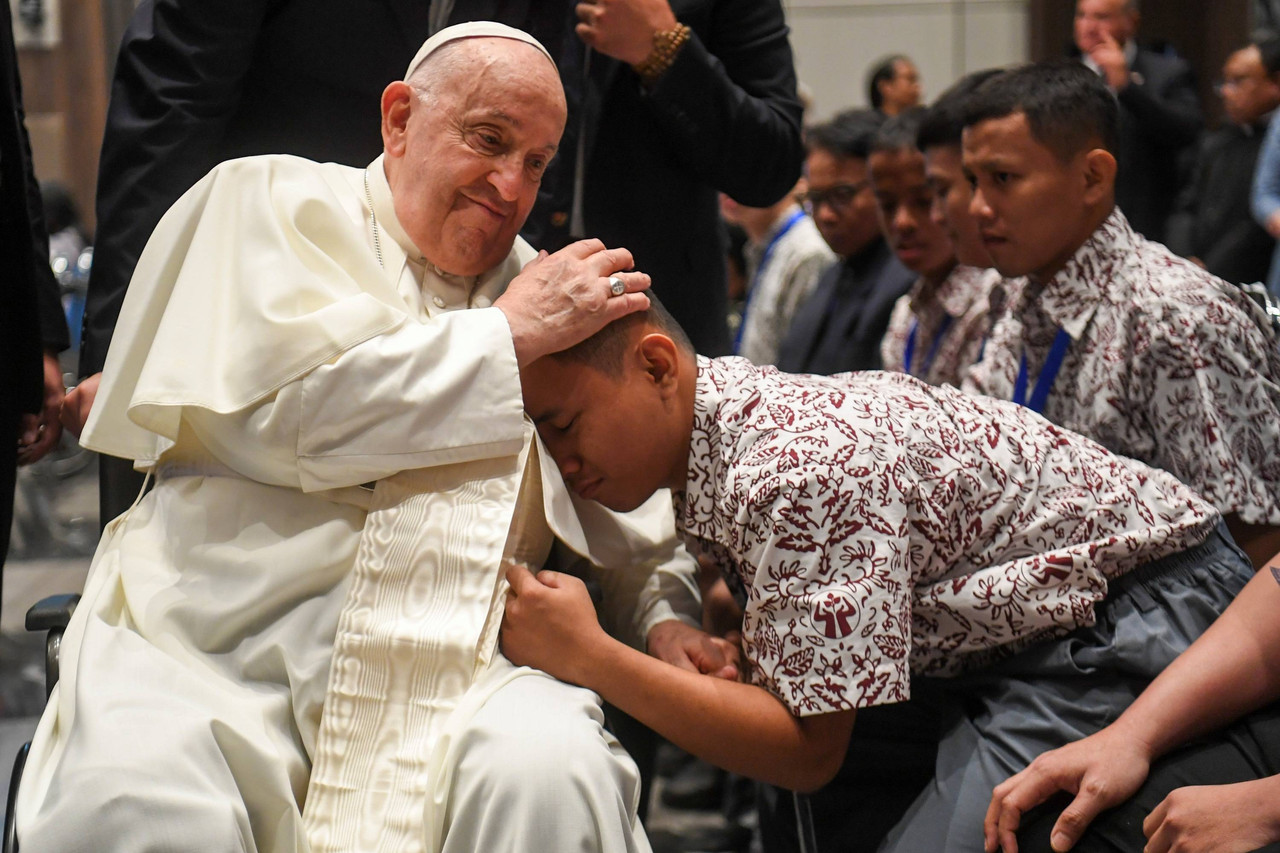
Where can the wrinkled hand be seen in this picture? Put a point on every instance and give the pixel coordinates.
(78, 404)
(562, 299)
(1215, 818)
(40, 433)
(623, 29)
(697, 651)
(1110, 58)
(549, 623)
(1102, 770)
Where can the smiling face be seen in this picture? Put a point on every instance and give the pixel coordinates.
(905, 202)
(951, 198)
(465, 159)
(1033, 208)
(616, 439)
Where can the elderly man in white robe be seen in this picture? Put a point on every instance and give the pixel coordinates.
(289, 644)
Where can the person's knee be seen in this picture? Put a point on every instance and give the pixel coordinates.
(557, 737)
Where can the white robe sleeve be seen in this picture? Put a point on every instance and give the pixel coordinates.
(426, 394)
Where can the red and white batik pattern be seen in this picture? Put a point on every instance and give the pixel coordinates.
(965, 297)
(876, 525)
(1167, 364)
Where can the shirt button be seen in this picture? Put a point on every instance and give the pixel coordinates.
(438, 301)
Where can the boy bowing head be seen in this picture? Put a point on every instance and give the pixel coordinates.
(875, 530)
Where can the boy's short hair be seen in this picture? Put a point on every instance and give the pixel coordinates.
(899, 133)
(882, 72)
(606, 350)
(847, 135)
(1068, 107)
(943, 121)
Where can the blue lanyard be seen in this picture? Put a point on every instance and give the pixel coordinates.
(909, 355)
(755, 281)
(1048, 373)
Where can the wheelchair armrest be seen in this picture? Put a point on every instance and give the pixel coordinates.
(52, 614)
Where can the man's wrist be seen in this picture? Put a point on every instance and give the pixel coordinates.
(666, 47)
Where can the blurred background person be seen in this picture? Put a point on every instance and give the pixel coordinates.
(840, 326)
(33, 329)
(893, 85)
(785, 257)
(1160, 117)
(1213, 225)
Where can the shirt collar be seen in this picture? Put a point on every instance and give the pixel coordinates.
(1070, 298)
(695, 506)
(955, 294)
(384, 210)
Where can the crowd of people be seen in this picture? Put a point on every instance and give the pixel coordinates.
(981, 476)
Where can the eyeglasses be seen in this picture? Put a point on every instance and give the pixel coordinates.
(1231, 83)
(839, 196)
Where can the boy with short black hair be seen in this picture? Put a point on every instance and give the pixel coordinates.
(1112, 335)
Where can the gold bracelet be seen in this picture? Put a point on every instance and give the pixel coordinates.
(666, 44)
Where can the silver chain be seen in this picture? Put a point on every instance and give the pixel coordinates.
(377, 241)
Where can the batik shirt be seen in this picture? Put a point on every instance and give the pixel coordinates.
(872, 525)
(1166, 364)
(958, 309)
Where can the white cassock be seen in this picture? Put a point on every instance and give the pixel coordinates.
(289, 644)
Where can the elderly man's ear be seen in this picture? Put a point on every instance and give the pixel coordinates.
(398, 100)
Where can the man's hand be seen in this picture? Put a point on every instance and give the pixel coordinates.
(1216, 818)
(562, 299)
(78, 404)
(40, 433)
(623, 29)
(1109, 56)
(697, 651)
(1102, 770)
(550, 623)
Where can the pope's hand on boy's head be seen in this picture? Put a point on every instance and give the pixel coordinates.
(549, 622)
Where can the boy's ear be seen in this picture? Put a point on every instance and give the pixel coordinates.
(659, 358)
(1099, 175)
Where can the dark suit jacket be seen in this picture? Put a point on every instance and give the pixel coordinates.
(724, 117)
(31, 319)
(1160, 122)
(841, 324)
(198, 82)
(1213, 220)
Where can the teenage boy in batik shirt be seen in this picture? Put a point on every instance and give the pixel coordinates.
(937, 328)
(876, 530)
(1113, 336)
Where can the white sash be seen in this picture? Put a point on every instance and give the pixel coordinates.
(420, 623)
